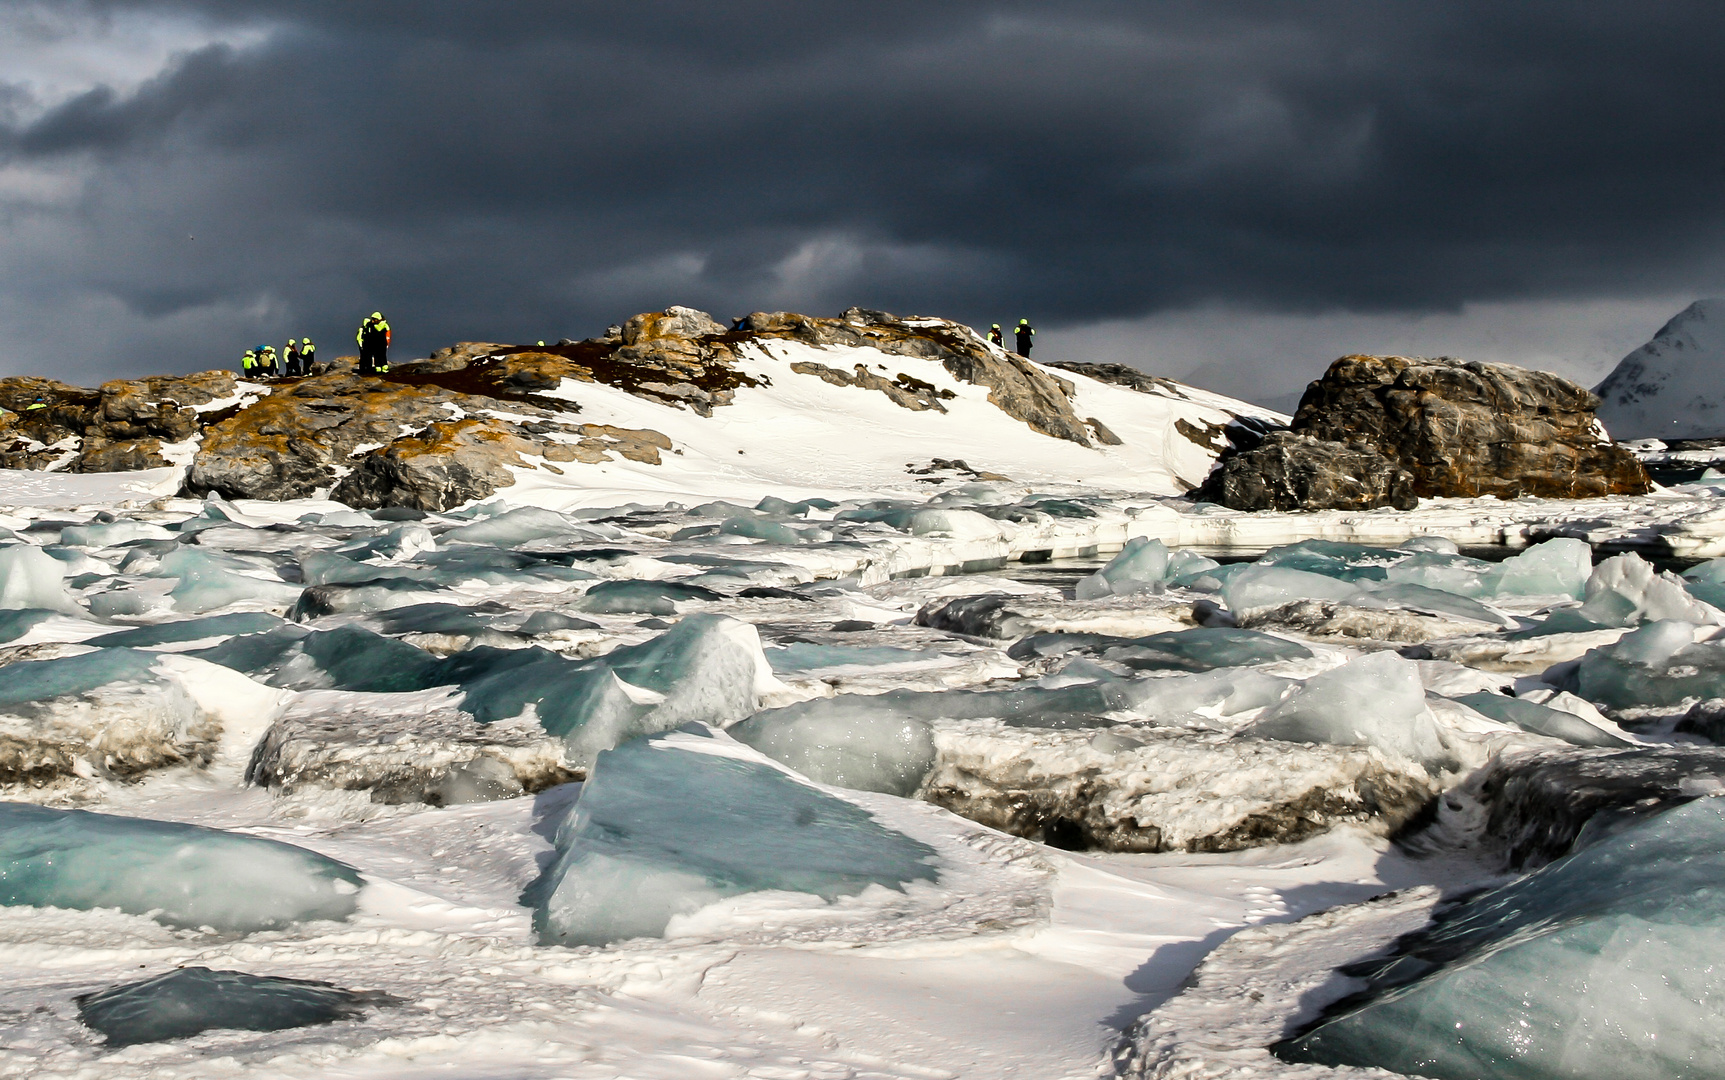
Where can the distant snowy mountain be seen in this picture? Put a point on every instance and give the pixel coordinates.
(1673, 387)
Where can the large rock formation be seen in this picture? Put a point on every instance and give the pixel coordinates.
(1378, 430)
(462, 424)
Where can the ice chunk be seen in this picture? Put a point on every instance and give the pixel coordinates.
(216, 626)
(1449, 572)
(1659, 664)
(1408, 596)
(482, 779)
(1332, 558)
(1219, 693)
(643, 597)
(181, 875)
(807, 656)
(1203, 648)
(1557, 567)
(663, 828)
(1625, 590)
(111, 533)
(1185, 563)
(1141, 565)
(519, 526)
(192, 999)
(846, 741)
(31, 578)
(1531, 716)
(1607, 963)
(208, 581)
(1377, 700)
(774, 532)
(707, 668)
(1442, 545)
(1254, 589)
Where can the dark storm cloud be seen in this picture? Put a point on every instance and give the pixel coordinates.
(530, 169)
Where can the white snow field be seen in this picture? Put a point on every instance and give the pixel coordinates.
(790, 768)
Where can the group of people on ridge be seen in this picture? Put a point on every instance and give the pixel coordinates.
(296, 358)
(1023, 336)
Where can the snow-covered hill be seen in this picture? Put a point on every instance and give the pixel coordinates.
(1673, 387)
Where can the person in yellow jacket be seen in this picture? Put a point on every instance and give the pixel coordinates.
(249, 362)
(291, 359)
(307, 353)
(374, 344)
(267, 364)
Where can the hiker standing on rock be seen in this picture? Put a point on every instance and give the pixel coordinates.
(374, 344)
(994, 337)
(307, 353)
(249, 362)
(1022, 334)
(290, 359)
(267, 361)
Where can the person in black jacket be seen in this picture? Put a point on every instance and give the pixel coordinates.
(994, 337)
(374, 345)
(1022, 334)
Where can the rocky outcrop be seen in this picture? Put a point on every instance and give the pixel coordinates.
(459, 425)
(444, 465)
(121, 426)
(1288, 471)
(1457, 429)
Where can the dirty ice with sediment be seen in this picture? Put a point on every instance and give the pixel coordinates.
(851, 738)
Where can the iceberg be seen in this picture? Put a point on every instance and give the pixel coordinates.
(181, 875)
(665, 826)
(1252, 590)
(1557, 567)
(189, 1000)
(208, 581)
(1606, 963)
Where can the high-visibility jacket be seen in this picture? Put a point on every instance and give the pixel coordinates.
(380, 324)
(32, 407)
(249, 360)
(307, 350)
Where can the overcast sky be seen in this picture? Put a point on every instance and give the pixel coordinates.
(1236, 191)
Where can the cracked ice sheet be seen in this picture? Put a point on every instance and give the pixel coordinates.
(1030, 972)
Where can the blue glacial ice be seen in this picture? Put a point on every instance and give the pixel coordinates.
(1539, 719)
(181, 875)
(1659, 664)
(210, 580)
(643, 597)
(1141, 565)
(1606, 963)
(1625, 590)
(183, 630)
(664, 827)
(189, 1000)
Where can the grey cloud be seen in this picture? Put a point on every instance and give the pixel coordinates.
(535, 169)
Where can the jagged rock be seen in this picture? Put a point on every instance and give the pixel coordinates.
(442, 466)
(1290, 471)
(1455, 428)
(1469, 429)
(125, 455)
(905, 391)
(300, 439)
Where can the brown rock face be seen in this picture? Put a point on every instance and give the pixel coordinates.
(122, 426)
(443, 466)
(1469, 429)
(1380, 430)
